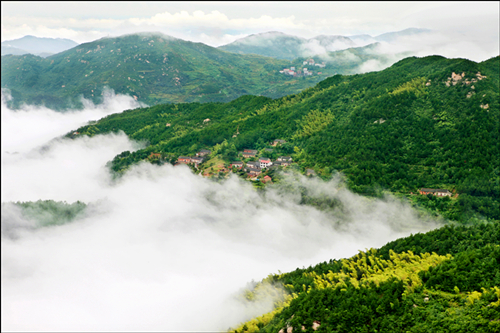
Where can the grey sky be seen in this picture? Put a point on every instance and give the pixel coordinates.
(218, 23)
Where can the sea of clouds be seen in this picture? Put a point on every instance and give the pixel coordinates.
(160, 249)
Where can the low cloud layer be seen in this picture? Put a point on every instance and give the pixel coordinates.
(161, 248)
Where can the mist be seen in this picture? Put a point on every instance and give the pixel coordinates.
(161, 248)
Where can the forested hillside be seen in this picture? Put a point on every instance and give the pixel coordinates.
(154, 68)
(446, 280)
(424, 122)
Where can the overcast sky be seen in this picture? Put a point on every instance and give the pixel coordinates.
(218, 23)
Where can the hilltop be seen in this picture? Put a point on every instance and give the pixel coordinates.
(424, 122)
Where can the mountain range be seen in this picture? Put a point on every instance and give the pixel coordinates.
(283, 46)
(155, 68)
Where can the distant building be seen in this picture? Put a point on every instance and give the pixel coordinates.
(277, 142)
(285, 158)
(203, 152)
(237, 165)
(310, 172)
(154, 155)
(184, 160)
(265, 162)
(436, 192)
(254, 171)
(247, 153)
(267, 179)
(197, 160)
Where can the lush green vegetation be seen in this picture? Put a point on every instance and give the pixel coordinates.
(409, 126)
(49, 212)
(154, 68)
(393, 289)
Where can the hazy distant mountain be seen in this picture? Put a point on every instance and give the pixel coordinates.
(392, 36)
(270, 44)
(37, 45)
(283, 46)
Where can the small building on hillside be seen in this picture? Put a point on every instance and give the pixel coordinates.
(436, 192)
(255, 165)
(284, 159)
(265, 162)
(154, 155)
(310, 172)
(184, 160)
(253, 171)
(277, 142)
(197, 160)
(237, 165)
(247, 153)
(203, 152)
(267, 179)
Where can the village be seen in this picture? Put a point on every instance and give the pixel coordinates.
(304, 71)
(252, 165)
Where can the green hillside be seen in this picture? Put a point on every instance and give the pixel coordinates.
(446, 280)
(419, 123)
(154, 68)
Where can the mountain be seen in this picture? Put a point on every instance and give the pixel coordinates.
(152, 67)
(393, 36)
(270, 44)
(282, 46)
(36, 45)
(425, 122)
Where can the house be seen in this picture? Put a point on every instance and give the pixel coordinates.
(184, 160)
(285, 159)
(249, 153)
(197, 160)
(265, 162)
(436, 192)
(253, 171)
(267, 179)
(154, 155)
(203, 152)
(277, 142)
(255, 165)
(310, 172)
(237, 165)
(310, 61)
(282, 163)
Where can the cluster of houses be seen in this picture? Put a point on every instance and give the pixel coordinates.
(436, 192)
(311, 62)
(304, 71)
(255, 168)
(195, 160)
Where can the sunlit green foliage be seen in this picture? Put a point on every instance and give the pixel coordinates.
(396, 291)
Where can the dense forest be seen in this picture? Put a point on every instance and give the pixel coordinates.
(424, 122)
(445, 280)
